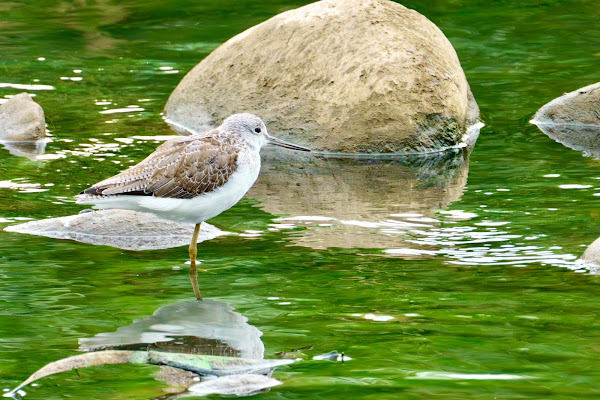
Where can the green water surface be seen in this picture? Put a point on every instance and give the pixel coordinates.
(479, 298)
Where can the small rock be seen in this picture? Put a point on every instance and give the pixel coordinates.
(580, 107)
(590, 259)
(573, 120)
(123, 229)
(22, 120)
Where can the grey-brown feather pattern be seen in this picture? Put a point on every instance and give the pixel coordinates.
(182, 168)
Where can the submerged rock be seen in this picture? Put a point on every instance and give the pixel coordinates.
(194, 328)
(22, 120)
(123, 229)
(580, 107)
(338, 75)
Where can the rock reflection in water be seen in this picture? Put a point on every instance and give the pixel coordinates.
(31, 150)
(584, 138)
(123, 229)
(359, 202)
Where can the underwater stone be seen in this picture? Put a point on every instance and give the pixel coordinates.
(346, 76)
(580, 107)
(22, 119)
(123, 229)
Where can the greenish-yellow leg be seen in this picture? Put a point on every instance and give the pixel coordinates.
(193, 254)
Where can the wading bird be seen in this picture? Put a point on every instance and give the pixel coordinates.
(191, 178)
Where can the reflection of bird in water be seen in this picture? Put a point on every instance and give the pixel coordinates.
(192, 178)
(194, 327)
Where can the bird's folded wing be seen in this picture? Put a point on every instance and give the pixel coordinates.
(180, 168)
(202, 167)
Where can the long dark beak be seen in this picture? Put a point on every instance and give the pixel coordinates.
(279, 142)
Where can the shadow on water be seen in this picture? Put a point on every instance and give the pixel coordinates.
(359, 202)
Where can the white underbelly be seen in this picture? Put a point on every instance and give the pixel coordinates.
(192, 210)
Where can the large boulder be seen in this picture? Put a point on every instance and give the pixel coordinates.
(338, 75)
(580, 107)
(22, 119)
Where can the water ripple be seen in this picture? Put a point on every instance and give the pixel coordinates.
(441, 375)
(482, 244)
(26, 87)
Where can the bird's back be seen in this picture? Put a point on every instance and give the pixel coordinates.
(183, 167)
(213, 170)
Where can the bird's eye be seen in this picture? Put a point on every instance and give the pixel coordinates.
(257, 130)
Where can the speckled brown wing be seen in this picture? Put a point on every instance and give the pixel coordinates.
(202, 167)
(180, 168)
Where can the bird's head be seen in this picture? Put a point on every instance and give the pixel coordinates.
(254, 131)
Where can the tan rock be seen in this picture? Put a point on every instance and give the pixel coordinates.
(580, 107)
(573, 119)
(338, 75)
(590, 259)
(22, 119)
(592, 253)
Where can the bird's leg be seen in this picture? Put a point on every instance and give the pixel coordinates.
(193, 253)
